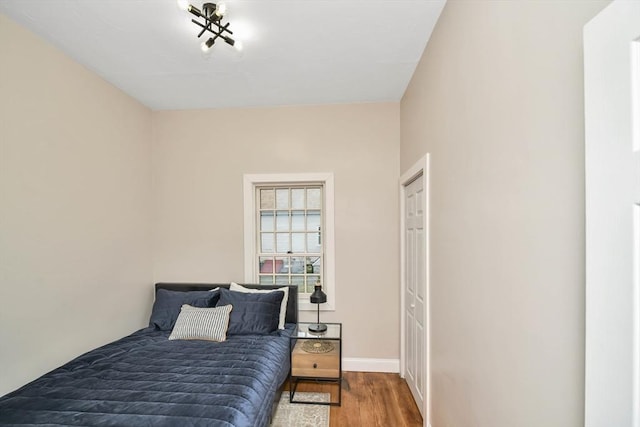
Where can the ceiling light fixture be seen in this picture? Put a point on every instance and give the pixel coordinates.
(211, 14)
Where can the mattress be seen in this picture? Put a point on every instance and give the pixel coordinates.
(145, 379)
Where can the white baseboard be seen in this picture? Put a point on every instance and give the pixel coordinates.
(370, 365)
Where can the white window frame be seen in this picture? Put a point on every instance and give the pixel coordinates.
(251, 181)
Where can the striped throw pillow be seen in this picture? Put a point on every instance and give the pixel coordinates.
(196, 323)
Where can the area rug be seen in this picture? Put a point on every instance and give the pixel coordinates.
(302, 415)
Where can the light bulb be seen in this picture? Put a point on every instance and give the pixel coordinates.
(206, 45)
(238, 45)
(183, 4)
(221, 9)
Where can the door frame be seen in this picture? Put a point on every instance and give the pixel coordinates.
(420, 167)
(612, 264)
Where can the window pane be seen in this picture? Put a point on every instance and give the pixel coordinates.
(282, 243)
(297, 198)
(266, 280)
(313, 220)
(266, 264)
(282, 221)
(314, 197)
(297, 265)
(266, 221)
(312, 244)
(298, 280)
(297, 221)
(312, 281)
(314, 262)
(282, 280)
(267, 198)
(282, 198)
(281, 264)
(266, 242)
(302, 289)
(297, 242)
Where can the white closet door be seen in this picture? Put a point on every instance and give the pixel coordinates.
(415, 291)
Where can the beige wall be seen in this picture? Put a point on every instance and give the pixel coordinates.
(199, 158)
(497, 100)
(75, 266)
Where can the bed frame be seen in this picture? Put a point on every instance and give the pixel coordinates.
(292, 302)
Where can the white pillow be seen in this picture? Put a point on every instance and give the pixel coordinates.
(283, 306)
(202, 323)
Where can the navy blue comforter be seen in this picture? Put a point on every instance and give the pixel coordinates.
(146, 380)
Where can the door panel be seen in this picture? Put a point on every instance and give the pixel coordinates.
(415, 290)
(409, 297)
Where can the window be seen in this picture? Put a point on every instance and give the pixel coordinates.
(289, 233)
(289, 227)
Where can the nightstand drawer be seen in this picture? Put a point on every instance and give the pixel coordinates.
(324, 365)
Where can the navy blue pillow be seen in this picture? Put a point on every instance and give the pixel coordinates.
(252, 313)
(167, 306)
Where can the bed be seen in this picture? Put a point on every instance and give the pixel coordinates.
(149, 378)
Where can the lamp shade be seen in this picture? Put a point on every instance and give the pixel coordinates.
(318, 297)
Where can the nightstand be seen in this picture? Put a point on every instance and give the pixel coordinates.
(316, 357)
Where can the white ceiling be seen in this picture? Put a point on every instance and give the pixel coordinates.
(295, 52)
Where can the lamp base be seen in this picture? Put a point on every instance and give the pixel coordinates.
(317, 328)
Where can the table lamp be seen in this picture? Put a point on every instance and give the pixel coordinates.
(318, 297)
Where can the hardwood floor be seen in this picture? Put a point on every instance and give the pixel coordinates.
(370, 399)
